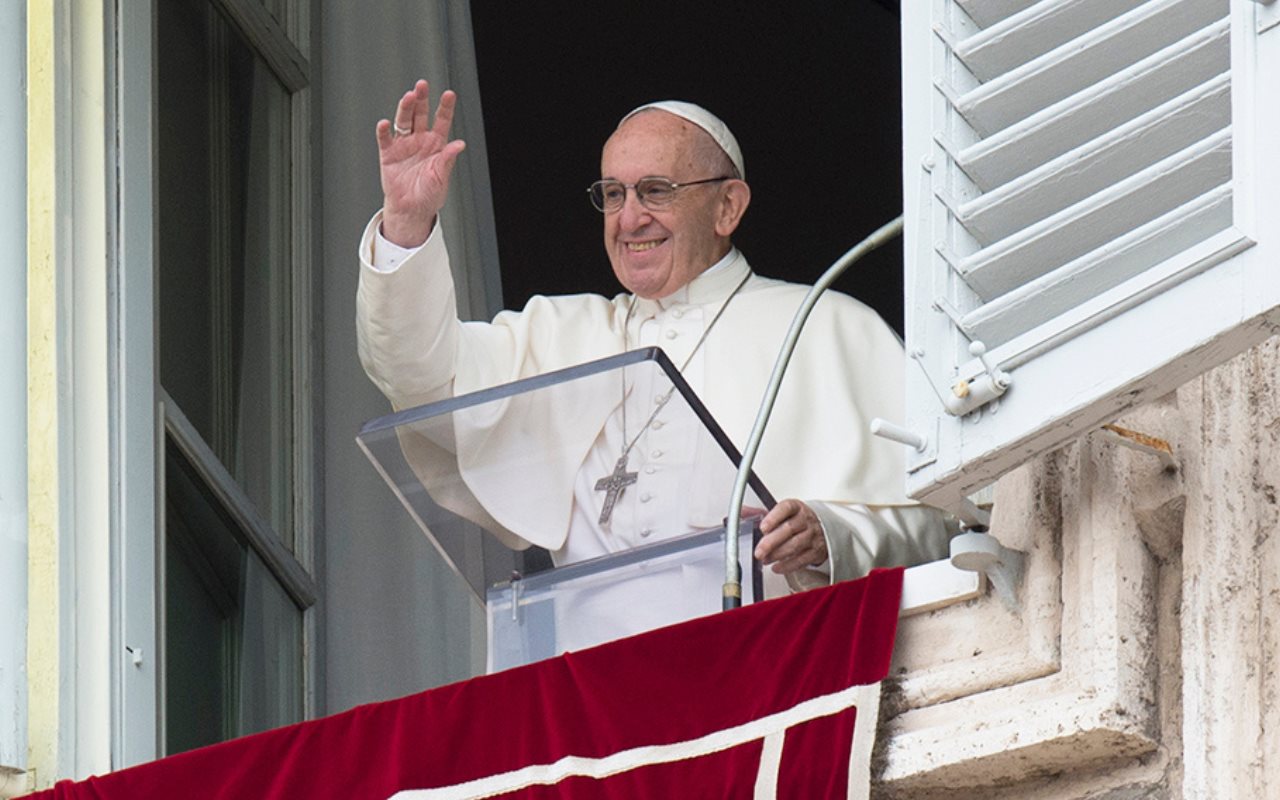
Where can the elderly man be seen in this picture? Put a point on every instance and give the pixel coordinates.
(672, 193)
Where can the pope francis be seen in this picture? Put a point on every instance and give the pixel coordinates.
(672, 192)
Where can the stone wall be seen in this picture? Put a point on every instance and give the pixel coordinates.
(1139, 660)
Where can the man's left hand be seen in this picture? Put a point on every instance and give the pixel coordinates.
(792, 538)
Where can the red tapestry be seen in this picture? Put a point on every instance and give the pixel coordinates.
(755, 701)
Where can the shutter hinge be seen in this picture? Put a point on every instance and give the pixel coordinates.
(967, 396)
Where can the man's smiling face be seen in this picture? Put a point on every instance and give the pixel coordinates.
(656, 252)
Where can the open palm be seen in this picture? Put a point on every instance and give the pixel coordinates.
(415, 160)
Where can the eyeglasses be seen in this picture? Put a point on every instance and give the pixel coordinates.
(653, 193)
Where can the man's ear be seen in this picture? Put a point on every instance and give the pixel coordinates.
(734, 199)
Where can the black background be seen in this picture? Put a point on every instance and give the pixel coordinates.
(810, 89)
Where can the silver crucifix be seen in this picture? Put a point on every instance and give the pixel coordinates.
(613, 486)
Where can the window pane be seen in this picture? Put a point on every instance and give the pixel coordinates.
(233, 638)
(224, 267)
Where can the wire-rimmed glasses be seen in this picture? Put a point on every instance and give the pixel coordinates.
(653, 192)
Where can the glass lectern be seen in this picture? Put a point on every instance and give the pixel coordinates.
(486, 473)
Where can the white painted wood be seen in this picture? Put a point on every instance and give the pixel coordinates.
(1100, 217)
(1102, 685)
(1268, 17)
(1042, 301)
(1111, 303)
(1034, 31)
(1099, 108)
(1093, 166)
(139, 439)
(1119, 242)
(86, 470)
(1081, 62)
(1094, 377)
(988, 12)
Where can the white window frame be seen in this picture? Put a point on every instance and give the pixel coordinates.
(136, 407)
(1061, 391)
(139, 431)
(284, 48)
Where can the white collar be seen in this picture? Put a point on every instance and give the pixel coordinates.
(713, 285)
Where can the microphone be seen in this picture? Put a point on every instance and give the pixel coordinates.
(731, 591)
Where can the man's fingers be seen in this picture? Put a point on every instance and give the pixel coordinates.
(413, 115)
(402, 123)
(780, 513)
(776, 516)
(804, 550)
(794, 564)
(444, 115)
(763, 548)
(778, 544)
(421, 106)
(775, 527)
(793, 538)
(383, 133)
(798, 542)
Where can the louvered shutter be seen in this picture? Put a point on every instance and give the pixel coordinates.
(1090, 193)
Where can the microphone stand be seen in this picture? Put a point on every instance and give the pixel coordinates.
(731, 592)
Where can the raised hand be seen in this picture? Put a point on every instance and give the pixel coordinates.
(415, 160)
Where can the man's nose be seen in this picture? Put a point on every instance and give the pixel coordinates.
(633, 213)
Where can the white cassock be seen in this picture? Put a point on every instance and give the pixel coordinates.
(846, 370)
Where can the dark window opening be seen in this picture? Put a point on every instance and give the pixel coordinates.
(811, 90)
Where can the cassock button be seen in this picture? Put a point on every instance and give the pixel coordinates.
(649, 470)
(646, 497)
(657, 424)
(677, 312)
(672, 333)
(656, 454)
(644, 534)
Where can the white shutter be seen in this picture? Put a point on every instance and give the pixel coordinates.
(1091, 193)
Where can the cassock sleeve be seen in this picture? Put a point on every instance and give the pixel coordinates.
(406, 321)
(860, 538)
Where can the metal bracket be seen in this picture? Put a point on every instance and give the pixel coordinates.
(978, 551)
(967, 396)
(895, 433)
(1143, 443)
(516, 585)
(918, 443)
(15, 782)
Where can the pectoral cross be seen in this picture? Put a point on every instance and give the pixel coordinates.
(613, 486)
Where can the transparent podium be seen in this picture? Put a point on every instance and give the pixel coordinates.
(485, 474)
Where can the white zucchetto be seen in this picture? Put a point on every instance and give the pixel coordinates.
(704, 119)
